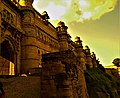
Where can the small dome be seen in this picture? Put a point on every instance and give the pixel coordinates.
(77, 38)
(86, 47)
(61, 24)
(26, 2)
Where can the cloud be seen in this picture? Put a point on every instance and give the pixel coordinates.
(89, 9)
(75, 10)
(55, 11)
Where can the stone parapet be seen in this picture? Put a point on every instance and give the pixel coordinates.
(67, 79)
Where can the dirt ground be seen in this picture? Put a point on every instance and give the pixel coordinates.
(21, 87)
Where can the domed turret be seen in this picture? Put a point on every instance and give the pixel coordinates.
(87, 50)
(26, 2)
(63, 36)
(78, 41)
(61, 27)
(77, 38)
(61, 24)
(86, 47)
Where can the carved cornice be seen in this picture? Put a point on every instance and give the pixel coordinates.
(14, 5)
(7, 26)
(58, 55)
(15, 33)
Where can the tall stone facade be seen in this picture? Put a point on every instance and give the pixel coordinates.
(25, 35)
(30, 41)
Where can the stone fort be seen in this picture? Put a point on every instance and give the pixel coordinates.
(29, 42)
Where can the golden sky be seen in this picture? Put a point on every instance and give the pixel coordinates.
(95, 21)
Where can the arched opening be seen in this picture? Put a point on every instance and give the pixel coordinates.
(7, 51)
(7, 58)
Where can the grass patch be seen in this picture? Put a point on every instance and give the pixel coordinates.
(99, 81)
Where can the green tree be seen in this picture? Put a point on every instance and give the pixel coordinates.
(116, 62)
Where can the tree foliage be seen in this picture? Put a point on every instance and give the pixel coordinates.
(99, 81)
(116, 62)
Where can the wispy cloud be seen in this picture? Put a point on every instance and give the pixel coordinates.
(75, 10)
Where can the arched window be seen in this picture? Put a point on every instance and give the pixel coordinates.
(7, 51)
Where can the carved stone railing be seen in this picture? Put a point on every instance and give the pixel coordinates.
(44, 38)
(7, 16)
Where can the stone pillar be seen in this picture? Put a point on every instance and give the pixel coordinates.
(64, 87)
(88, 57)
(56, 82)
(0, 21)
(29, 48)
(80, 52)
(49, 71)
(63, 36)
(82, 89)
(18, 63)
(94, 59)
(83, 92)
(48, 87)
(118, 69)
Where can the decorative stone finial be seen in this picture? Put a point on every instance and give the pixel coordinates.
(77, 38)
(45, 15)
(93, 55)
(86, 47)
(26, 2)
(87, 50)
(61, 27)
(78, 41)
(61, 24)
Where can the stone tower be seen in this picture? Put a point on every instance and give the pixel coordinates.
(80, 52)
(63, 36)
(88, 57)
(29, 50)
(81, 67)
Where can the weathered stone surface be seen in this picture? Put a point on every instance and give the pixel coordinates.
(66, 73)
(22, 87)
(33, 44)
